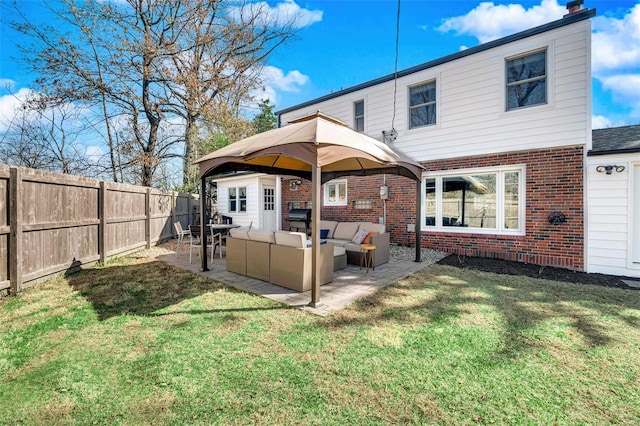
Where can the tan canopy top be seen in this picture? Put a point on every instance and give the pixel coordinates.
(313, 140)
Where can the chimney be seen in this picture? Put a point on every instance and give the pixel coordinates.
(574, 6)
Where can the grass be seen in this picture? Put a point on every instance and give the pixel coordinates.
(139, 342)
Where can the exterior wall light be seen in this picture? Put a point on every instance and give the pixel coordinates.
(293, 184)
(608, 169)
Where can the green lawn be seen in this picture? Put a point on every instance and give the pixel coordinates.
(138, 342)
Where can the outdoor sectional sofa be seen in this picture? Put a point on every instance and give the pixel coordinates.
(281, 258)
(341, 234)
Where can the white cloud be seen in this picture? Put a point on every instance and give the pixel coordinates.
(625, 89)
(289, 82)
(10, 104)
(6, 85)
(616, 42)
(94, 153)
(275, 80)
(489, 21)
(600, 122)
(285, 12)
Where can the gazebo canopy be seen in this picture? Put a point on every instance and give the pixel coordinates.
(315, 147)
(313, 140)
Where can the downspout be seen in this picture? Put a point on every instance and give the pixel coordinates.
(418, 221)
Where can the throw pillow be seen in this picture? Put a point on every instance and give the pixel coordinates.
(367, 239)
(324, 233)
(359, 237)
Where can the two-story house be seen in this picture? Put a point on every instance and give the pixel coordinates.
(503, 130)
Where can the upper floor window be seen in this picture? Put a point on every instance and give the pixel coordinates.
(422, 105)
(335, 193)
(358, 116)
(238, 199)
(527, 80)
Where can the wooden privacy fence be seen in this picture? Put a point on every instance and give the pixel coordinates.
(50, 223)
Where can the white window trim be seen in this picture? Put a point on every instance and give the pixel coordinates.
(326, 193)
(436, 81)
(500, 170)
(550, 104)
(355, 117)
(237, 199)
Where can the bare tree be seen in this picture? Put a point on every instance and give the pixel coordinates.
(216, 64)
(181, 63)
(44, 136)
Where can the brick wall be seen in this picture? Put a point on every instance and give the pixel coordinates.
(554, 181)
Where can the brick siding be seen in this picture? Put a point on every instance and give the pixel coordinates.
(554, 181)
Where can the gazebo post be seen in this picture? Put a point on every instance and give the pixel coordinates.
(203, 223)
(418, 220)
(316, 183)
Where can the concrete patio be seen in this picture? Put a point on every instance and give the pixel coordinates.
(348, 285)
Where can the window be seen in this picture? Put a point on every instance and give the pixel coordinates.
(422, 105)
(479, 201)
(358, 114)
(527, 80)
(238, 199)
(335, 193)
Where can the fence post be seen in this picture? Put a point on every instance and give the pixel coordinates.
(15, 230)
(147, 222)
(174, 200)
(102, 227)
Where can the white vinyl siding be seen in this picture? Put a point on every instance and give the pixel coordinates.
(254, 184)
(610, 209)
(471, 108)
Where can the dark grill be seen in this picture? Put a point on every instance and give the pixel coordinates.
(299, 219)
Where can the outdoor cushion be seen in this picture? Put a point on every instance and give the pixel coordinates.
(345, 230)
(330, 225)
(262, 235)
(241, 233)
(372, 227)
(291, 239)
(360, 236)
(337, 243)
(367, 239)
(352, 247)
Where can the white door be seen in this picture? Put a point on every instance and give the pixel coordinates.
(269, 207)
(635, 245)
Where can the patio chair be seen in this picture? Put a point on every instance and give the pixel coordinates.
(216, 241)
(196, 242)
(181, 233)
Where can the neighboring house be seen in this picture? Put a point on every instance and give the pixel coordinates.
(250, 199)
(503, 130)
(613, 182)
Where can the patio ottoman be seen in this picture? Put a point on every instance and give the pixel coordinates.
(339, 258)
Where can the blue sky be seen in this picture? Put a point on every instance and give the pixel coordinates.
(344, 43)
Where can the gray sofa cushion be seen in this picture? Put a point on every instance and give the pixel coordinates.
(262, 236)
(328, 224)
(291, 239)
(345, 230)
(240, 233)
(372, 227)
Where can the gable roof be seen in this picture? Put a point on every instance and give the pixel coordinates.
(616, 140)
(566, 20)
